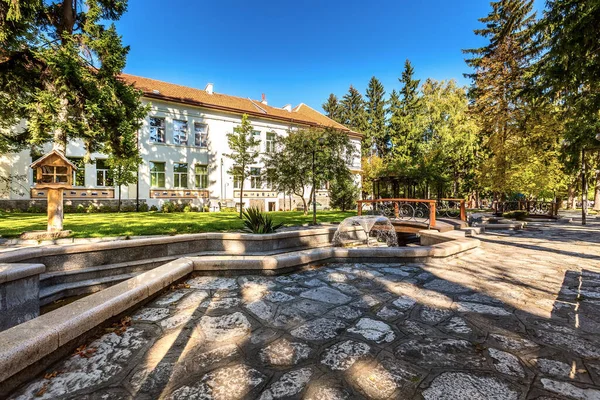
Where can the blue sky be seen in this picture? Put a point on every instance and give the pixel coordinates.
(298, 51)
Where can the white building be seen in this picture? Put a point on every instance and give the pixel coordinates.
(183, 145)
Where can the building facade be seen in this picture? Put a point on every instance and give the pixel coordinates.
(183, 145)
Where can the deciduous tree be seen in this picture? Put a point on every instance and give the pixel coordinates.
(244, 152)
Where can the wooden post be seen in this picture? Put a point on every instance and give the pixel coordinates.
(431, 214)
(463, 211)
(55, 210)
(359, 205)
(396, 210)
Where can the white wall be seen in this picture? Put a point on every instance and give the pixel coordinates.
(219, 125)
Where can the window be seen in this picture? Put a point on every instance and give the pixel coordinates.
(269, 179)
(103, 174)
(157, 130)
(270, 143)
(52, 174)
(79, 174)
(201, 176)
(180, 132)
(255, 182)
(180, 175)
(256, 136)
(157, 174)
(200, 135)
(237, 182)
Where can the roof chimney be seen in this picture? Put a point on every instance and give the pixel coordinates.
(288, 107)
(264, 99)
(209, 88)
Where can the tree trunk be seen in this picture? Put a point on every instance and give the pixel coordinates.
(571, 194)
(60, 136)
(241, 198)
(597, 187)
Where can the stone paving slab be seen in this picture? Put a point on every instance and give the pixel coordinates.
(518, 318)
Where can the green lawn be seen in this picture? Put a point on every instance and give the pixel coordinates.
(151, 223)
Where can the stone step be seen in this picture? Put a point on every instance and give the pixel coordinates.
(100, 271)
(57, 292)
(471, 231)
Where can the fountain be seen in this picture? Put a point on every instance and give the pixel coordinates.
(375, 226)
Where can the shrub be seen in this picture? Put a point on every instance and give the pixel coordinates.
(105, 208)
(257, 222)
(519, 214)
(143, 207)
(80, 208)
(168, 207)
(228, 209)
(205, 209)
(188, 208)
(128, 207)
(92, 208)
(35, 209)
(153, 208)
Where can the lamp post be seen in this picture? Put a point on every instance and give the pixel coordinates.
(319, 144)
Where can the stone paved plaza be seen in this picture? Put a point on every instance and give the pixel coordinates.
(518, 318)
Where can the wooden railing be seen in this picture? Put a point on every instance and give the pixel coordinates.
(417, 210)
(452, 208)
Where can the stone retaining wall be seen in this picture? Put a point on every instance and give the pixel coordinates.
(19, 293)
(41, 204)
(76, 256)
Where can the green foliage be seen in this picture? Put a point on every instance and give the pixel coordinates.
(153, 208)
(143, 207)
(290, 167)
(188, 208)
(567, 76)
(124, 171)
(244, 152)
(377, 137)
(59, 70)
(405, 107)
(35, 209)
(343, 192)
(353, 110)
(168, 207)
(499, 79)
(333, 108)
(257, 222)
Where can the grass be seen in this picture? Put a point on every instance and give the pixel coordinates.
(151, 223)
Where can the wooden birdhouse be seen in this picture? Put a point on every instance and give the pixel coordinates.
(53, 170)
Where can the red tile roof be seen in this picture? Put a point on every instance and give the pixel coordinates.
(301, 114)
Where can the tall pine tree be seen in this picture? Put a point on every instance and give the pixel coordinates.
(404, 129)
(59, 71)
(498, 79)
(376, 134)
(568, 75)
(333, 108)
(353, 110)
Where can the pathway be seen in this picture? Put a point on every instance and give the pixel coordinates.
(518, 318)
